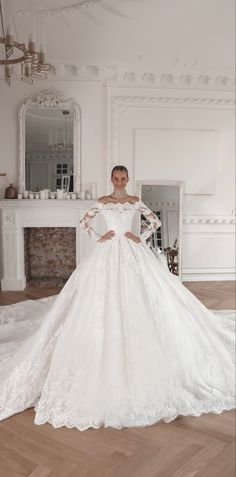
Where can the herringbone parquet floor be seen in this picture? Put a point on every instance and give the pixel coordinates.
(187, 447)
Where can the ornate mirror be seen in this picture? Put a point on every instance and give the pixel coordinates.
(164, 198)
(49, 136)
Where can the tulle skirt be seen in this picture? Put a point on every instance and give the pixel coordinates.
(123, 344)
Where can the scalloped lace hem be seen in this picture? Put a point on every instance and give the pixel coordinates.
(147, 418)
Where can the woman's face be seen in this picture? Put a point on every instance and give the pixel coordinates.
(119, 180)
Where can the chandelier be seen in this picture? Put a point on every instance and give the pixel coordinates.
(32, 62)
(61, 139)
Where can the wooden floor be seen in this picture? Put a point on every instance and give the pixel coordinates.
(187, 447)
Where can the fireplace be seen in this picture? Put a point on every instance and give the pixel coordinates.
(50, 255)
(29, 231)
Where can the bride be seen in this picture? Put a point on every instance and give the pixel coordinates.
(123, 344)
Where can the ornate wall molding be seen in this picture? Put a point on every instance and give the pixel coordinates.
(152, 204)
(55, 99)
(9, 219)
(50, 98)
(120, 105)
(121, 101)
(209, 220)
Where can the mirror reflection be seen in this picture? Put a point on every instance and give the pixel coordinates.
(49, 149)
(164, 201)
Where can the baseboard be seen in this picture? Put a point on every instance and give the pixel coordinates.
(208, 274)
(13, 284)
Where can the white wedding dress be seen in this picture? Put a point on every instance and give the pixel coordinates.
(123, 344)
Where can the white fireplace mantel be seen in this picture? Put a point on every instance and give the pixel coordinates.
(18, 214)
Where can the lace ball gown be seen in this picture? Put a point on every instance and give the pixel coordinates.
(123, 344)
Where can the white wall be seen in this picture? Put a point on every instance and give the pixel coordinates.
(204, 120)
(117, 124)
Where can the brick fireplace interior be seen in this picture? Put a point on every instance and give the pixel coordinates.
(50, 255)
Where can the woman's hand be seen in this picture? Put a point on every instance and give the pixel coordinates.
(132, 236)
(107, 236)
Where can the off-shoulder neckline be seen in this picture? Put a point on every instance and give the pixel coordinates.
(119, 203)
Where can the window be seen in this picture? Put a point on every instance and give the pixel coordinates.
(61, 168)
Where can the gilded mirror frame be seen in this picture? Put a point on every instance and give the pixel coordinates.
(50, 98)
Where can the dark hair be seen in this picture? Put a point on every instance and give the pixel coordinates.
(120, 168)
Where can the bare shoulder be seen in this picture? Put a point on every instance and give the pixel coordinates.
(135, 198)
(103, 199)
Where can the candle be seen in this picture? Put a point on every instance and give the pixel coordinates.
(93, 189)
(9, 40)
(8, 71)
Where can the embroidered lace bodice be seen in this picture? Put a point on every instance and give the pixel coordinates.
(119, 217)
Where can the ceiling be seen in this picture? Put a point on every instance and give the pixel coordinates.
(149, 36)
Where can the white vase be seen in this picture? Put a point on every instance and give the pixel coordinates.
(59, 194)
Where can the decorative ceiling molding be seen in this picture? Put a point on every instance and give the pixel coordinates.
(114, 76)
(75, 8)
(60, 10)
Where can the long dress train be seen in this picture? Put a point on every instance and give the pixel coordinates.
(123, 344)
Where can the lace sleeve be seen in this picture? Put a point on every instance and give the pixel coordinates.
(84, 222)
(154, 222)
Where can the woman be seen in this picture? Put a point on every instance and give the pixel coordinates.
(123, 344)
